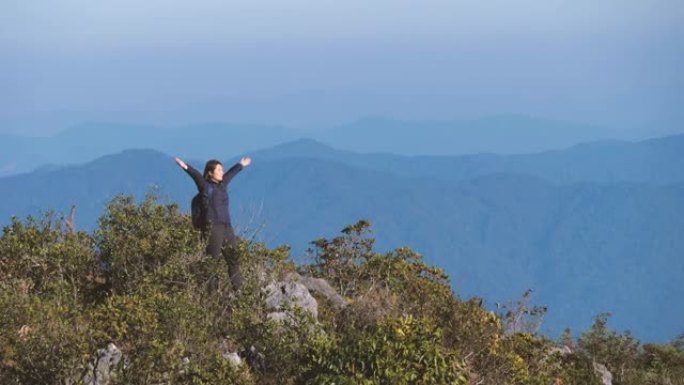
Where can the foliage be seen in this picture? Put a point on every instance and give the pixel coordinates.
(630, 362)
(520, 318)
(41, 341)
(339, 259)
(136, 241)
(42, 257)
(143, 282)
(394, 351)
(392, 284)
(45, 270)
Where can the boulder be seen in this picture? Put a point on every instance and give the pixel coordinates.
(562, 350)
(233, 358)
(323, 288)
(229, 352)
(102, 371)
(284, 294)
(602, 371)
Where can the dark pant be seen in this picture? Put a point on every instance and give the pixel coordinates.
(222, 241)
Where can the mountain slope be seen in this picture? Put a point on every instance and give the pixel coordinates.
(502, 134)
(88, 142)
(658, 161)
(584, 248)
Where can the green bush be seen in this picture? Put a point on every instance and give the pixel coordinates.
(618, 352)
(136, 240)
(45, 259)
(45, 272)
(379, 285)
(41, 341)
(143, 282)
(630, 362)
(394, 351)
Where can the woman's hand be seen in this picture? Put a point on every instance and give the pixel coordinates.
(246, 161)
(181, 163)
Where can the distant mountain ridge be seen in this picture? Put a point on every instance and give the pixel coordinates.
(659, 160)
(90, 141)
(502, 134)
(583, 246)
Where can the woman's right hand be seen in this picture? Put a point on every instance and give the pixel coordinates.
(181, 163)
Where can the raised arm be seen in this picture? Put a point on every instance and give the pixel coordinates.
(237, 167)
(194, 174)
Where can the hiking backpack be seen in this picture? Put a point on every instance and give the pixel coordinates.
(199, 208)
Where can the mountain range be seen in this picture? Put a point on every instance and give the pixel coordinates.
(501, 134)
(596, 227)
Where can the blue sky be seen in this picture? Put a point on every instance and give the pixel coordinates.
(319, 63)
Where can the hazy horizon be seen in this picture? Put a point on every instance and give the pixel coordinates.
(319, 64)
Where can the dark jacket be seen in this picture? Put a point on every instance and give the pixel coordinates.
(218, 198)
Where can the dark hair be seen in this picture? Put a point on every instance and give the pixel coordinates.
(210, 167)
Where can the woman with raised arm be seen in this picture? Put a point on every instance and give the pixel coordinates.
(214, 186)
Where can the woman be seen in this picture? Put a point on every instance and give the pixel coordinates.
(220, 231)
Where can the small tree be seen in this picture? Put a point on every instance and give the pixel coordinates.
(618, 352)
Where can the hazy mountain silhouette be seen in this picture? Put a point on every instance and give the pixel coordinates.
(90, 141)
(503, 134)
(584, 247)
(659, 160)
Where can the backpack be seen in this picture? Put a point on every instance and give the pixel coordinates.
(199, 207)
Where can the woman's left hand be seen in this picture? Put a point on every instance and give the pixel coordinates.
(182, 164)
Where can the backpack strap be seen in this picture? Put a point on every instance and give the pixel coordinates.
(209, 189)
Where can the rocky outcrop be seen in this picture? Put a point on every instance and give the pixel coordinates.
(284, 295)
(562, 351)
(101, 372)
(233, 358)
(323, 288)
(229, 352)
(602, 371)
(295, 290)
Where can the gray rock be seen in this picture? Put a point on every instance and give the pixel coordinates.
(562, 351)
(606, 376)
(227, 352)
(102, 372)
(278, 316)
(233, 358)
(284, 294)
(322, 287)
(184, 365)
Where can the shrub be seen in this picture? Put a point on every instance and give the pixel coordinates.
(43, 258)
(42, 341)
(136, 240)
(142, 281)
(618, 352)
(394, 351)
